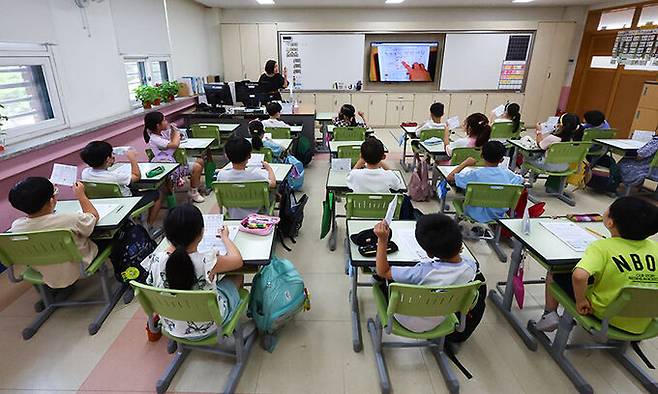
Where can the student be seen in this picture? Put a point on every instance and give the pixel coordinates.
(370, 173)
(346, 117)
(259, 141)
(595, 119)
(183, 267)
(163, 139)
(274, 110)
(512, 114)
(99, 157)
(493, 153)
(478, 132)
(627, 258)
(37, 197)
(238, 150)
(440, 238)
(635, 169)
(568, 126)
(271, 80)
(436, 113)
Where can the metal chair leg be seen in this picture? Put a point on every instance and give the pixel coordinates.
(162, 384)
(621, 355)
(495, 245)
(444, 365)
(375, 331)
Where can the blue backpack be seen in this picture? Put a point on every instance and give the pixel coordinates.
(277, 295)
(296, 177)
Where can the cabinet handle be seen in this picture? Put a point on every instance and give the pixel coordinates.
(371, 102)
(403, 108)
(396, 108)
(637, 115)
(645, 91)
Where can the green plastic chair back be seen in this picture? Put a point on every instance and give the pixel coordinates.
(269, 156)
(430, 133)
(567, 152)
(461, 154)
(349, 152)
(634, 301)
(596, 133)
(244, 194)
(505, 130)
(102, 189)
(654, 161)
(279, 133)
(350, 134)
(38, 248)
(180, 155)
(491, 195)
(371, 206)
(207, 131)
(428, 301)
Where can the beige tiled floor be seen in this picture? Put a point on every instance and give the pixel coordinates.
(314, 353)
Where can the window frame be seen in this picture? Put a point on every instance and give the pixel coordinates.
(148, 71)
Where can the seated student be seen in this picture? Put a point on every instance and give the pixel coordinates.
(163, 139)
(183, 267)
(258, 139)
(493, 153)
(274, 110)
(635, 169)
(440, 238)
(626, 258)
(370, 173)
(346, 117)
(238, 151)
(477, 130)
(595, 119)
(568, 127)
(37, 197)
(512, 114)
(99, 157)
(436, 113)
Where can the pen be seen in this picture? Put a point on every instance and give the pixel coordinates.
(595, 233)
(120, 208)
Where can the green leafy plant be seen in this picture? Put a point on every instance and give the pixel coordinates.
(168, 90)
(147, 94)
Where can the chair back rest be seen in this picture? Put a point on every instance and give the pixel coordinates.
(279, 133)
(243, 194)
(38, 248)
(349, 152)
(186, 305)
(596, 133)
(491, 195)
(350, 134)
(269, 156)
(102, 189)
(505, 130)
(180, 155)
(567, 152)
(426, 301)
(207, 131)
(371, 206)
(429, 133)
(635, 301)
(461, 154)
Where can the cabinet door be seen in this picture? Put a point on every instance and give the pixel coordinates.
(305, 98)
(268, 47)
(649, 96)
(644, 119)
(249, 49)
(422, 102)
(477, 103)
(459, 104)
(341, 98)
(393, 113)
(377, 109)
(361, 102)
(231, 53)
(324, 102)
(406, 111)
(443, 98)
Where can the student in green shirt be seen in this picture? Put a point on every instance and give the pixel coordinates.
(627, 258)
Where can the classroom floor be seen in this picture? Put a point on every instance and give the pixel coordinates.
(314, 353)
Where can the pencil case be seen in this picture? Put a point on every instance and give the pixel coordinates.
(155, 172)
(409, 124)
(258, 224)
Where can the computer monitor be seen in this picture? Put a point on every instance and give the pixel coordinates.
(248, 93)
(218, 94)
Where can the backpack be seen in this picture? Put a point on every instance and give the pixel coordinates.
(277, 295)
(474, 316)
(130, 246)
(301, 149)
(291, 213)
(419, 188)
(296, 178)
(605, 175)
(408, 211)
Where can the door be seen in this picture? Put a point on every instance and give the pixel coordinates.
(361, 102)
(624, 104)
(406, 111)
(422, 102)
(252, 68)
(231, 53)
(267, 43)
(393, 113)
(377, 109)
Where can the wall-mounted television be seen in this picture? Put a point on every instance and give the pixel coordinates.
(403, 61)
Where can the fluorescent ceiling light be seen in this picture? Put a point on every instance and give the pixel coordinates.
(522, 1)
(394, 1)
(265, 1)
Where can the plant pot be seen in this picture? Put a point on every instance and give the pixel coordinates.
(171, 97)
(156, 101)
(146, 104)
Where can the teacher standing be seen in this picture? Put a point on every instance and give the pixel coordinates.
(271, 80)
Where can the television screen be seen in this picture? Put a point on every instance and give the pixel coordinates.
(403, 61)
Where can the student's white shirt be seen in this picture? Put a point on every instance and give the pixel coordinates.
(249, 174)
(548, 141)
(121, 175)
(274, 123)
(428, 125)
(465, 142)
(379, 180)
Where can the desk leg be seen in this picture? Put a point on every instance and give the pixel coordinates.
(512, 161)
(324, 129)
(333, 233)
(357, 342)
(435, 178)
(504, 303)
(403, 159)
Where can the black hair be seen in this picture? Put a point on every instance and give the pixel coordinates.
(570, 128)
(514, 112)
(493, 151)
(595, 118)
(439, 235)
(372, 150)
(347, 112)
(635, 218)
(237, 149)
(31, 194)
(96, 153)
(273, 108)
(182, 226)
(151, 122)
(478, 126)
(437, 109)
(257, 132)
(269, 66)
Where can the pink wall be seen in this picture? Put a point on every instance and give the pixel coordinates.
(39, 162)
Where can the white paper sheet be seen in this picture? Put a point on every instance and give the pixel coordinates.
(453, 122)
(643, 135)
(64, 175)
(121, 150)
(407, 238)
(341, 164)
(212, 224)
(390, 211)
(268, 136)
(256, 160)
(499, 110)
(104, 209)
(550, 124)
(505, 162)
(571, 234)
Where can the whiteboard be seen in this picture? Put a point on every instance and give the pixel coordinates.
(318, 61)
(473, 61)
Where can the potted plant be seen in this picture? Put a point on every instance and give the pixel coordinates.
(3, 136)
(168, 90)
(155, 92)
(144, 93)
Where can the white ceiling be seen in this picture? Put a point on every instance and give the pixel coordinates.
(380, 3)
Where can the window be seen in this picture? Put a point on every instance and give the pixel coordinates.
(144, 70)
(649, 16)
(603, 62)
(617, 19)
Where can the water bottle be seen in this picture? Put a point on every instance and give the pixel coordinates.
(3, 140)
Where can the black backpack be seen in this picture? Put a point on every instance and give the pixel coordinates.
(291, 213)
(302, 150)
(474, 316)
(605, 175)
(130, 246)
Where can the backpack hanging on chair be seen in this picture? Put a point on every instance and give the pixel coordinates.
(419, 188)
(296, 177)
(291, 212)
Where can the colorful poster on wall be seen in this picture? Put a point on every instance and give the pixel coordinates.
(511, 75)
(636, 48)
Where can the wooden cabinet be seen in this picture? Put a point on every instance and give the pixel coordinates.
(361, 102)
(251, 66)
(496, 99)
(377, 109)
(245, 49)
(231, 53)
(330, 102)
(646, 114)
(423, 101)
(399, 108)
(464, 104)
(305, 98)
(267, 44)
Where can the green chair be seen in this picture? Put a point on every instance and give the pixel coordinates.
(349, 152)
(201, 130)
(425, 135)
(461, 154)
(279, 133)
(506, 130)
(35, 249)
(244, 194)
(488, 195)
(569, 153)
(198, 305)
(180, 155)
(350, 134)
(111, 190)
(420, 301)
(269, 156)
(633, 301)
(371, 206)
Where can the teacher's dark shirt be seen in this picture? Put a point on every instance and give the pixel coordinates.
(271, 85)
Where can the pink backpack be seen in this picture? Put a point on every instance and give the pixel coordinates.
(419, 188)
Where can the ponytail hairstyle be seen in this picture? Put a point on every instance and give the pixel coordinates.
(569, 128)
(513, 111)
(257, 132)
(477, 125)
(347, 112)
(182, 226)
(151, 122)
